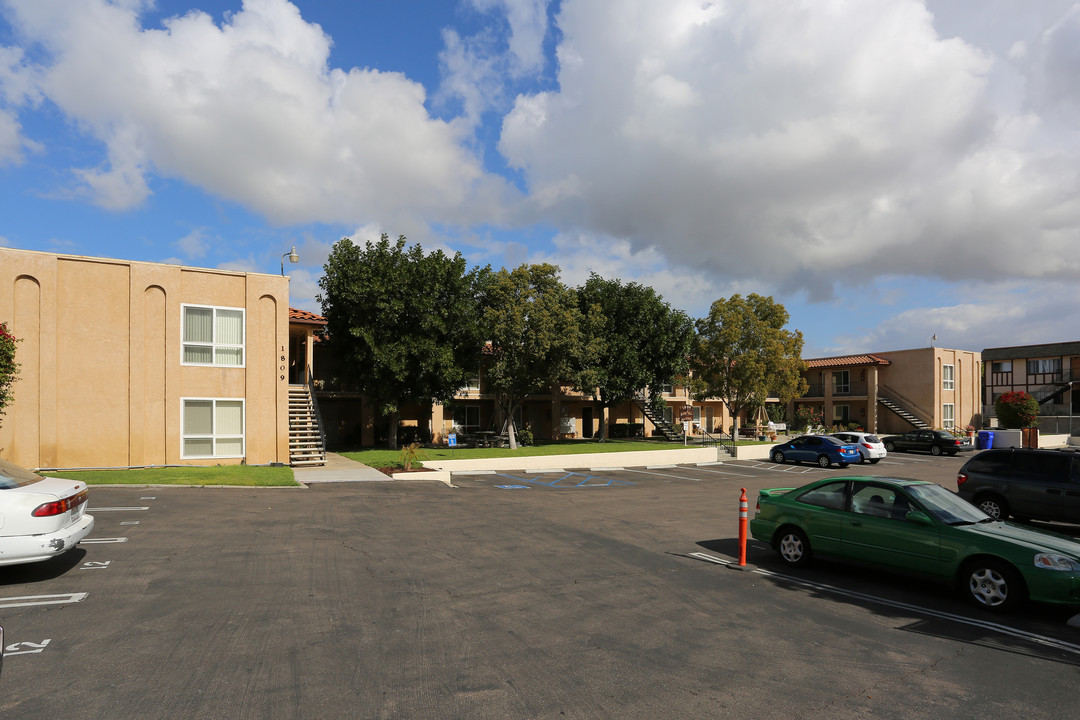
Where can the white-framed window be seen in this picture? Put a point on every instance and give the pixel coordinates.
(948, 416)
(669, 415)
(212, 428)
(841, 414)
(948, 375)
(212, 335)
(1001, 366)
(841, 382)
(667, 389)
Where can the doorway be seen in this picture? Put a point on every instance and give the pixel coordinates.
(586, 422)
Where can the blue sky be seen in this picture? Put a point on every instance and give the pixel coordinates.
(889, 170)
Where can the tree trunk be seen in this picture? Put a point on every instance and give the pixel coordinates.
(391, 433)
(603, 424)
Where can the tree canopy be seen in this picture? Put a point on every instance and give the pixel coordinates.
(401, 322)
(9, 369)
(533, 327)
(742, 354)
(639, 341)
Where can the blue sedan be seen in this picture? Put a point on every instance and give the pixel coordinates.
(820, 449)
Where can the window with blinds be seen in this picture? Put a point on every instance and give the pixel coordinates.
(212, 428)
(213, 335)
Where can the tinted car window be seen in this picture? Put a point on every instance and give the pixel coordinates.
(991, 461)
(871, 438)
(13, 476)
(827, 496)
(1055, 467)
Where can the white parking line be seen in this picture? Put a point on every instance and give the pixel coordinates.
(100, 541)
(985, 624)
(115, 509)
(33, 600)
(656, 474)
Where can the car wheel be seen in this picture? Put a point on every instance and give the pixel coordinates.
(793, 547)
(778, 456)
(935, 450)
(992, 584)
(875, 461)
(993, 506)
(823, 461)
(862, 459)
(891, 447)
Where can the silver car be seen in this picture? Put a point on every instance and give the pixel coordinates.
(870, 447)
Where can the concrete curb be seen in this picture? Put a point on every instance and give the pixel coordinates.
(633, 458)
(439, 475)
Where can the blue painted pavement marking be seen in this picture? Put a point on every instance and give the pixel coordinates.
(571, 480)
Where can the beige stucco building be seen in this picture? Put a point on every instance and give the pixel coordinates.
(129, 364)
(896, 391)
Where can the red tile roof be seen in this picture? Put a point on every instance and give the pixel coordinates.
(846, 361)
(303, 316)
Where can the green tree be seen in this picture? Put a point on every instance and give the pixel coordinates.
(534, 333)
(639, 342)
(9, 369)
(1017, 410)
(402, 323)
(742, 354)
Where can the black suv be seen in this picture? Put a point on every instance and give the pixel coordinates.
(1025, 483)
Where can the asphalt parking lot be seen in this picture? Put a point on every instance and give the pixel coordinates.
(578, 592)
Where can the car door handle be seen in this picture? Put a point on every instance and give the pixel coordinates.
(855, 523)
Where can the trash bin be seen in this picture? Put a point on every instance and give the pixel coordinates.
(986, 439)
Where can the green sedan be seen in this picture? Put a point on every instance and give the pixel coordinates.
(918, 527)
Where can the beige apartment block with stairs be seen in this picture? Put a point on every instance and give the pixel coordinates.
(133, 364)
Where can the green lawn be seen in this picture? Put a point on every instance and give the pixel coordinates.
(239, 475)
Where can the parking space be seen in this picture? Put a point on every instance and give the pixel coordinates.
(588, 592)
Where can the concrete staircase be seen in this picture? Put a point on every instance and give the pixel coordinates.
(307, 445)
(902, 411)
(668, 430)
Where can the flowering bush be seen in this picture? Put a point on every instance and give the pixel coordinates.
(9, 369)
(1017, 410)
(807, 416)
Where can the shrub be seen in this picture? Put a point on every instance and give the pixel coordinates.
(807, 416)
(9, 369)
(524, 437)
(1017, 410)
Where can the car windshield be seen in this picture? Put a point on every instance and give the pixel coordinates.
(870, 439)
(13, 476)
(946, 506)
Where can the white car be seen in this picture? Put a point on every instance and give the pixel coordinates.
(870, 447)
(40, 517)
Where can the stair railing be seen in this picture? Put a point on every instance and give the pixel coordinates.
(887, 393)
(315, 408)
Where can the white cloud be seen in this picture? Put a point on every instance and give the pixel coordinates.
(195, 244)
(798, 143)
(996, 314)
(249, 110)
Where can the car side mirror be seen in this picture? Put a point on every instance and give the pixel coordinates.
(918, 517)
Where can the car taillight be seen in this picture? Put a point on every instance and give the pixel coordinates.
(59, 507)
(868, 446)
(961, 478)
(956, 443)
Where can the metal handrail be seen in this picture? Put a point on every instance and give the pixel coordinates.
(909, 404)
(315, 407)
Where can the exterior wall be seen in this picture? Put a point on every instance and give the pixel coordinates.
(917, 374)
(101, 381)
(1018, 378)
(914, 378)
